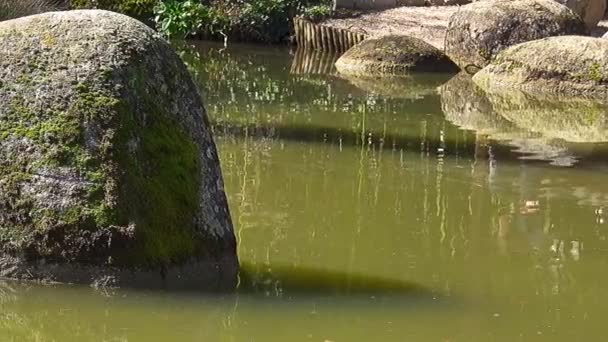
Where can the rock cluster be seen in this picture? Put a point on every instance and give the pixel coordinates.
(479, 31)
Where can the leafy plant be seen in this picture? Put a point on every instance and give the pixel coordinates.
(187, 18)
(139, 9)
(318, 12)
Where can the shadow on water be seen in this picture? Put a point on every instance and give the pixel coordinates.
(321, 134)
(287, 281)
(281, 281)
(505, 147)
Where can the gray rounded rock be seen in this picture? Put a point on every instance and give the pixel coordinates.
(479, 31)
(393, 55)
(108, 170)
(568, 65)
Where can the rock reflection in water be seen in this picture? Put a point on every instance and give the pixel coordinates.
(570, 119)
(469, 107)
(414, 86)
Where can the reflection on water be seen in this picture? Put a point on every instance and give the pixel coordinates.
(310, 62)
(335, 186)
(577, 120)
(415, 86)
(539, 128)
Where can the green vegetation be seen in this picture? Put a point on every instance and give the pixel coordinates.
(140, 9)
(264, 21)
(268, 21)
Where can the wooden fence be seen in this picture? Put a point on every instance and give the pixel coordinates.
(314, 36)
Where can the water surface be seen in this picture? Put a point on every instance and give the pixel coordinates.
(417, 209)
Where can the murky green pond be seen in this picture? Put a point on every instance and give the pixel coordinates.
(375, 211)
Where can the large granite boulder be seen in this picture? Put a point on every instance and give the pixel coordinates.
(569, 65)
(108, 170)
(479, 31)
(393, 55)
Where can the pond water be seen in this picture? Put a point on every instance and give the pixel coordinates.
(412, 209)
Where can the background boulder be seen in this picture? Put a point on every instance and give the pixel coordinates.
(568, 65)
(394, 55)
(479, 31)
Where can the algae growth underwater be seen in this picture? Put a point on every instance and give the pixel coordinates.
(420, 210)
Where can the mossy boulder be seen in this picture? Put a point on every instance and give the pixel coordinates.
(567, 65)
(108, 170)
(393, 55)
(479, 31)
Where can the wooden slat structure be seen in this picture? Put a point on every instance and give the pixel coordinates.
(313, 36)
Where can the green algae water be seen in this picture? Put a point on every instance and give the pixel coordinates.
(414, 209)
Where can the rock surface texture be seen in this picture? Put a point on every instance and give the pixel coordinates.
(479, 31)
(569, 65)
(108, 170)
(394, 55)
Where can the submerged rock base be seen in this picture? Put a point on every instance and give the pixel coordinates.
(197, 275)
